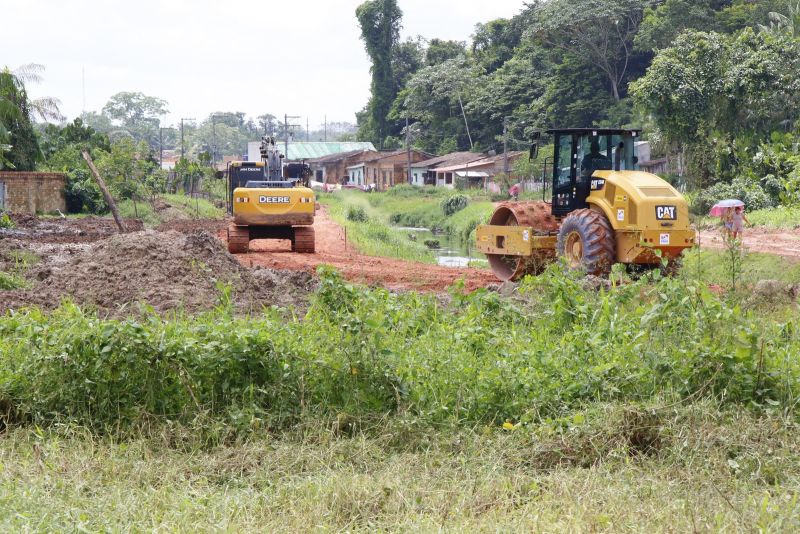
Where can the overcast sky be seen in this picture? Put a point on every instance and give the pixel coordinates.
(301, 57)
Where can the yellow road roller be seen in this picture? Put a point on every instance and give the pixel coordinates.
(602, 210)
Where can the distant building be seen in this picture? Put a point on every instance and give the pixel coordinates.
(476, 173)
(168, 159)
(659, 166)
(333, 169)
(384, 169)
(32, 192)
(424, 172)
(299, 151)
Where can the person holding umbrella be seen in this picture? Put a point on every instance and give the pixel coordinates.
(738, 218)
(732, 213)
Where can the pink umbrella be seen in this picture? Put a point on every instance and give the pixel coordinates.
(719, 208)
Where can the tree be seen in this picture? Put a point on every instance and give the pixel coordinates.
(439, 51)
(137, 115)
(55, 138)
(380, 31)
(788, 24)
(268, 124)
(494, 43)
(512, 91)
(714, 94)
(662, 24)
(407, 58)
(19, 148)
(601, 31)
(433, 92)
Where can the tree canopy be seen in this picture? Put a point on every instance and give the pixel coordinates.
(380, 30)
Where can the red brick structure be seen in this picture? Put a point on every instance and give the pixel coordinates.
(32, 192)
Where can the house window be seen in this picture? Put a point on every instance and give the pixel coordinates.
(448, 178)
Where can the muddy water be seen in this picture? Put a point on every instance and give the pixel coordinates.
(451, 252)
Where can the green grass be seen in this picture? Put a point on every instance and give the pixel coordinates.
(726, 471)
(656, 405)
(422, 208)
(192, 207)
(780, 217)
(712, 267)
(11, 281)
(142, 210)
(463, 223)
(375, 237)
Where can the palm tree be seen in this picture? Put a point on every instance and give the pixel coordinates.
(786, 24)
(18, 145)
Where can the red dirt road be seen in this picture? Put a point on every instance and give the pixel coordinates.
(331, 249)
(784, 243)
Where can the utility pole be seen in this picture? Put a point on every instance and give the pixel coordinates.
(160, 148)
(505, 146)
(183, 146)
(326, 128)
(214, 141)
(408, 151)
(307, 132)
(286, 133)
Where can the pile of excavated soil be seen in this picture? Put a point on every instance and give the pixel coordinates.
(66, 230)
(187, 226)
(167, 270)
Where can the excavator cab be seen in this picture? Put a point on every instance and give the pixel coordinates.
(578, 153)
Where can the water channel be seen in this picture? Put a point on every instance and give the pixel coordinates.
(451, 252)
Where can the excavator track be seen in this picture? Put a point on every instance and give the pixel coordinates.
(238, 239)
(535, 214)
(303, 239)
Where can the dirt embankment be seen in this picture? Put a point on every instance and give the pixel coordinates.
(332, 249)
(784, 243)
(64, 230)
(167, 270)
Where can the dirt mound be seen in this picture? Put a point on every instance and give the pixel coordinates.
(166, 270)
(187, 226)
(65, 230)
(771, 294)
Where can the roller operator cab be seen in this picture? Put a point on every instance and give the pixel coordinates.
(602, 210)
(269, 200)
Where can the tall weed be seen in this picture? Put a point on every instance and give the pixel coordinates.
(364, 353)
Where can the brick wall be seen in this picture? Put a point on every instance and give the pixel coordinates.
(33, 192)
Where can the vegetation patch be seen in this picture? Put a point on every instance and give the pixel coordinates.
(360, 355)
(11, 281)
(369, 231)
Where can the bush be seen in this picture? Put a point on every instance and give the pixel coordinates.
(357, 214)
(753, 195)
(366, 353)
(82, 194)
(5, 221)
(413, 191)
(10, 281)
(454, 204)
